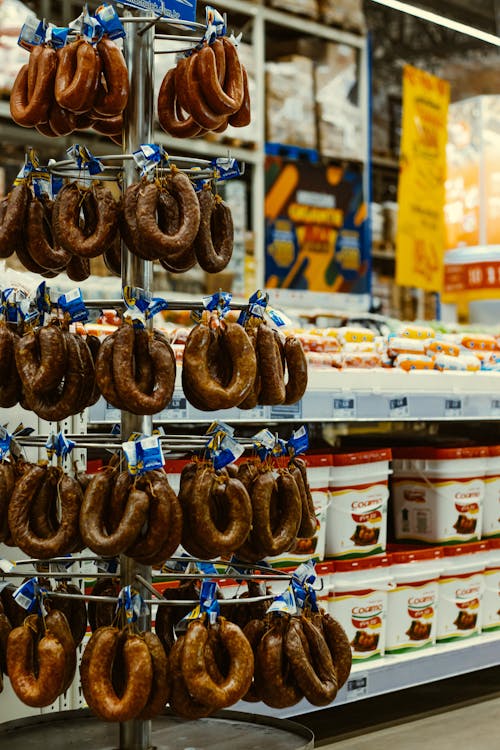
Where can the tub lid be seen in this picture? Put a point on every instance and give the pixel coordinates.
(416, 555)
(469, 548)
(317, 459)
(493, 543)
(494, 450)
(361, 563)
(441, 454)
(364, 457)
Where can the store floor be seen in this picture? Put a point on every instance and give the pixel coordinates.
(459, 712)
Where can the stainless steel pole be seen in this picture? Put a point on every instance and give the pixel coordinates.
(139, 56)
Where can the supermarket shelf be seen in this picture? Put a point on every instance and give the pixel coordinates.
(394, 673)
(385, 161)
(382, 255)
(364, 395)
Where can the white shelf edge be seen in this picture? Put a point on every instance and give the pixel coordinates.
(392, 673)
(311, 27)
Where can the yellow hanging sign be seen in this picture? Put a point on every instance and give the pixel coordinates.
(422, 175)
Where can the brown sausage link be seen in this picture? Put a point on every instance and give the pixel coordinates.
(57, 625)
(222, 100)
(315, 676)
(181, 702)
(273, 383)
(252, 399)
(39, 240)
(296, 364)
(85, 664)
(41, 358)
(254, 632)
(28, 108)
(163, 365)
(109, 126)
(10, 382)
(7, 483)
(112, 100)
(275, 683)
(172, 538)
(196, 373)
(66, 221)
(170, 115)
(5, 628)
(169, 222)
(215, 239)
(275, 538)
(43, 519)
(118, 500)
(88, 379)
(104, 372)
(78, 72)
(78, 269)
(160, 685)
(243, 116)
(43, 688)
(15, 613)
(239, 514)
(164, 245)
(62, 122)
(167, 617)
(156, 485)
(94, 511)
(144, 374)
(13, 220)
(307, 527)
(100, 693)
(93, 344)
(61, 403)
(339, 646)
(112, 257)
(128, 224)
(196, 102)
(62, 541)
(75, 611)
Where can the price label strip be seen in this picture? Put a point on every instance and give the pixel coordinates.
(453, 407)
(495, 407)
(357, 687)
(399, 407)
(181, 9)
(177, 409)
(344, 407)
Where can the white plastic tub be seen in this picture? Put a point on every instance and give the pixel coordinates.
(491, 510)
(412, 604)
(438, 494)
(359, 602)
(357, 513)
(461, 590)
(491, 599)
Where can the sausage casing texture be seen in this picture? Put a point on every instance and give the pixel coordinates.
(104, 372)
(272, 377)
(228, 99)
(39, 240)
(197, 375)
(163, 365)
(99, 691)
(28, 108)
(243, 116)
(254, 631)
(7, 483)
(276, 685)
(160, 683)
(57, 625)
(78, 72)
(101, 614)
(14, 215)
(128, 224)
(339, 646)
(307, 527)
(296, 364)
(93, 517)
(314, 671)
(112, 101)
(155, 483)
(199, 683)
(66, 221)
(41, 358)
(181, 702)
(151, 234)
(75, 611)
(43, 689)
(170, 114)
(214, 242)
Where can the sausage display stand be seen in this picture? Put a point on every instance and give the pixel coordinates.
(227, 729)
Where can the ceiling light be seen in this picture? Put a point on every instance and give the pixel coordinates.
(448, 23)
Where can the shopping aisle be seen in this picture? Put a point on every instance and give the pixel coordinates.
(474, 727)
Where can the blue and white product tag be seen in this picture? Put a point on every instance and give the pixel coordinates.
(148, 156)
(136, 299)
(226, 168)
(264, 442)
(64, 445)
(56, 185)
(216, 25)
(206, 567)
(27, 311)
(110, 565)
(41, 183)
(217, 427)
(42, 299)
(156, 306)
(116, 429)
(57, 36)
(299, 442)
(184, 10)
(151, 455)
(130, 451)
(284, 604)
(5, 441)
(305, 573)
(92, 30)
(178, 566)
(302, 581)
(132, 603)
(110, 21)
(220, 301)
(227, 452)
(208, 600)
(277, 317)
(85, 159)
(280, 447)
(256, 307)
(50, 445)
(32, 33)
(72, 303)
(28, 596)
(6, 566)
